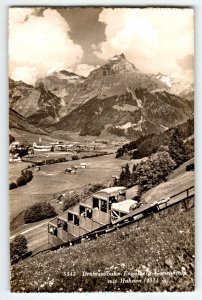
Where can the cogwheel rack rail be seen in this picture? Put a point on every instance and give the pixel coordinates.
(136, 215)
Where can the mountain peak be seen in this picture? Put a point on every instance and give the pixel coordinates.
(118, 57)
(122, 56)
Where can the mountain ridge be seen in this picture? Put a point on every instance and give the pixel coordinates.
(133, 114)
(17, 121)
(116, 96)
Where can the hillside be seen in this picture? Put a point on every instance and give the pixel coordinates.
(134, 113)
(177, 181)
(38, 105)
(16, 121)
(65, 85)
(155, 245)
(148, 144)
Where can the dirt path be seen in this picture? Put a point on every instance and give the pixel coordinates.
(37, 235)
(30, 229)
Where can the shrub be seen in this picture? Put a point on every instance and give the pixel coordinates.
(71, 199)
(125, 177)
(18, 247)
(27, 174)
(24, 178)
(49, 161)
(153, 171)
(96, 187)
(39, 211)
(148, 173)
(21, 181)
(92, 188)
(62, 159)
(41, 163)
(12, 185)
(75, 157)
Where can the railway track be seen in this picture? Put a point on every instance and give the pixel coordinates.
(142, 212)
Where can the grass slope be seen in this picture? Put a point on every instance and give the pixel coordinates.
(177, 181)
(52, 179)
(163, 244)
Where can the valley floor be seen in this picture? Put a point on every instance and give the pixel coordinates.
(53, 180)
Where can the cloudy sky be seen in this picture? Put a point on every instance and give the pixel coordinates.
(44, 40)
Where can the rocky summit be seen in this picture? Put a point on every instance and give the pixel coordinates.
(38, 105)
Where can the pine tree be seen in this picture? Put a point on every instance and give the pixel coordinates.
(177, 148)
(127, 172)
(125, 176)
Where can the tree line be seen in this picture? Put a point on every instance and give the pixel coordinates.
(149, 144)
(157, 166)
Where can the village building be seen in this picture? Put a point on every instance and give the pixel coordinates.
(83, 165)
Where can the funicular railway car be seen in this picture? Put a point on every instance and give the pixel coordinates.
(121, 209)
(85, 216)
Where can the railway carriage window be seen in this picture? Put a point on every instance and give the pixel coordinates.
(103, 206)
(89, 213)
(76, 220)
(112, 199)
(59, 223)
(82, 210)
(52, 230)
(70, 217)
(122, 193)
(121, 196)
(95, 203)
(64, 227)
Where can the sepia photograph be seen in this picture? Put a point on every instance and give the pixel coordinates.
(101, 149)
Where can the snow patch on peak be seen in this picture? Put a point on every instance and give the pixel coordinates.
(117, 57)
(165, 79)
(114, 58)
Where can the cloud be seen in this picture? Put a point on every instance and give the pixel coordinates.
(26, 74)
(38, 43)
(186, 62)
(85, 69)
(153, 39)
